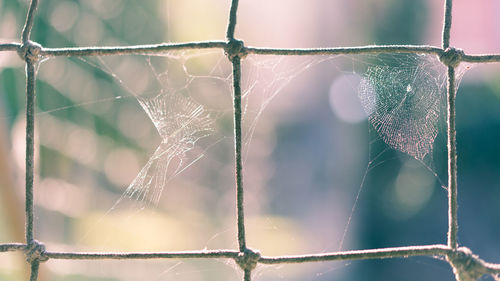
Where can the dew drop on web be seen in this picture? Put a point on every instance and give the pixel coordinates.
(408, 88)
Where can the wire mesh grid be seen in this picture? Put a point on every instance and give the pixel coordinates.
(466, 265)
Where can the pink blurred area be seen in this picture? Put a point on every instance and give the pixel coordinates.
(299, 23)
(475, 25)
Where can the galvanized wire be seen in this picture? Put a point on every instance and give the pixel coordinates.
(465, 264)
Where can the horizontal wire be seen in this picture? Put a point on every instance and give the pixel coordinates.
(486, 58)
(12, 247)
(348, 50)
(144, 255)
(395, 252)
(492, 268)
(163, 47)
(9, 46)
(137, 49)
(159, 48)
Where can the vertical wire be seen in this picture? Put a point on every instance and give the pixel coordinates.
(30, 134)
(232, 20)
(447, 23)
(452, 162)
(236, 63)
(30, 146)
(34, 270)
(451, 135)
(247, 275)
(29, 21)
(238, 158)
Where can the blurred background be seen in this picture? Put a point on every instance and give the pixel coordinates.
(317, 176)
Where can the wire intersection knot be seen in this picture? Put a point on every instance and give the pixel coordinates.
(235, 48)
(30, 51)
(452, 56)
(35, 252)
(248, 259)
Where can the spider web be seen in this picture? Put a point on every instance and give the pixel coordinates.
(181, 123)
(403, 102)
(180, 120)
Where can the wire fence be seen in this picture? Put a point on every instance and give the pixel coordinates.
(466, 266)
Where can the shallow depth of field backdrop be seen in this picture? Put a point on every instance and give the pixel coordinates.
(318, 176)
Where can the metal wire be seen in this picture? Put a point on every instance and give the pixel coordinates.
(461, 259)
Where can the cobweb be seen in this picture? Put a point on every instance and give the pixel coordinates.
(403, 95)
(182, 121)
(403, 102)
